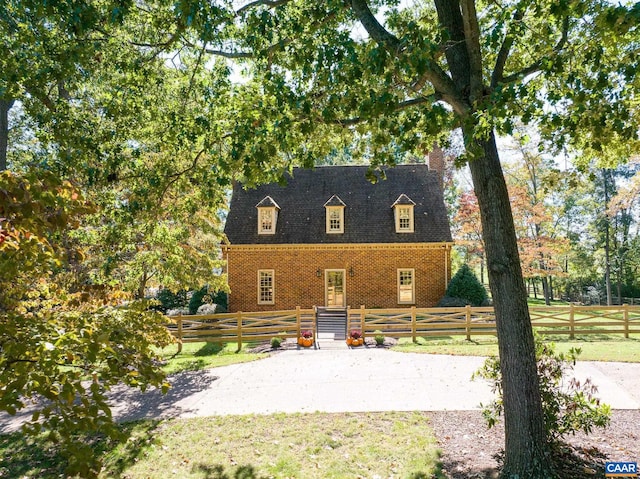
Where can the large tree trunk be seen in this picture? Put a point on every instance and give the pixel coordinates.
(5, 106)
(526, 447)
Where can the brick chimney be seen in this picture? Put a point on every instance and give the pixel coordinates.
(435, 161)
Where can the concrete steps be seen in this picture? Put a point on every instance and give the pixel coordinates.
(331, 323)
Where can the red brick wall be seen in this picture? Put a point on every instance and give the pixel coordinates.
(373, 284)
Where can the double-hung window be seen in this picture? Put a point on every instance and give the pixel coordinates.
(404, 218)
(403, 212)
(334, 215)
(266, 286)
(267, 216)
(266, 220)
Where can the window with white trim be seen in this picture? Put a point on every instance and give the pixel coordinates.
(335, 219)
(404, 219)
(334, 214)
(266, 286)
(403, 212)
(267, 216)
(266, 221)
(406, 286)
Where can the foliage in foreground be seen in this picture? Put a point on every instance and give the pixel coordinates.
(568, 405)
(64, 345)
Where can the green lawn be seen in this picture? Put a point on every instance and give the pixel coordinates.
(395, 444)
(540, 302)
(197, 356)
(614, 348)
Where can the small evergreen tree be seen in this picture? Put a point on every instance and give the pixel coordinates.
(170, 300)
(197, 299)
(465, 285)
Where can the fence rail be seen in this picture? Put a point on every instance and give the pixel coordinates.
(406, 322)
(242, 327)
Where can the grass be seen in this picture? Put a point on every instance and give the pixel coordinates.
(197, 356)
(320, 445)
(540, 302)
(598, 348)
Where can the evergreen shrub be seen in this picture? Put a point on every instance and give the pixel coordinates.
(464, 285)
(170, 300)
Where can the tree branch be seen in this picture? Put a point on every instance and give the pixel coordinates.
(257, 3)
(380, 34)
(441, 82)
(175, 176)
(270, 49)
(537, 65)
(503, 53)
(233, 55)
(400, 106)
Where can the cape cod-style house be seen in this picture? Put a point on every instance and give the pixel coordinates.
(330, 237)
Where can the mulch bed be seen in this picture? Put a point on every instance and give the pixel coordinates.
(471, 451)
(287, 344)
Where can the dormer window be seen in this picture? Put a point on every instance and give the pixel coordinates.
(403, 212)
(334, 209)
(267, 216)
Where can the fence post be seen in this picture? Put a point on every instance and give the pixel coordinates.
(468, 321)
(179, 333)
(299, 326)
(414, 338)
(362, 315)
(239, 331)
(626, 321)
(572, 324)
(347, 322)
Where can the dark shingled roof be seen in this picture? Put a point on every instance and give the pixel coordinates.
(368, 213)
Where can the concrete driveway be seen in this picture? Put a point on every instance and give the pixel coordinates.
(360, 379)
(342, 380)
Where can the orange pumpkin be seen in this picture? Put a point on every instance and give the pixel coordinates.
(300, 340)
(349, 341)
(306, 342)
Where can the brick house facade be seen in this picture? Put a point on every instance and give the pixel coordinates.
(330, 237)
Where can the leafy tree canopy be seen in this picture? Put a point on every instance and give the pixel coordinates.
(63, 346)
(150, 82)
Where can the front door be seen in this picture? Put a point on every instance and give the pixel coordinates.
(334, 287)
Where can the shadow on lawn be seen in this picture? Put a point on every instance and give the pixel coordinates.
(209, 349)
(217, 472)
(24, 457)
(130, 404)
(459, 469)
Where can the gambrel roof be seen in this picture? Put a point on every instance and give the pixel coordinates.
(368, 213)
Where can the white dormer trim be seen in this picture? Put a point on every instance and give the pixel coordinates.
(334, 215)
(403, 214)
(267, 216)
